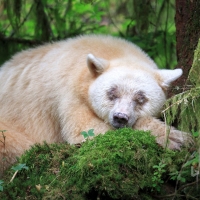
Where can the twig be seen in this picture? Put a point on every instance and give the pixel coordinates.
(11, 180)
(176, 193)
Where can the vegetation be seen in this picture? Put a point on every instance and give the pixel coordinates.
(150, 24)
(184, 107)
(122, 164)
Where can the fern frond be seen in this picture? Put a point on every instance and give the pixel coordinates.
(185, 107)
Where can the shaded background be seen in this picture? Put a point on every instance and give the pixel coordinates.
(148, 23)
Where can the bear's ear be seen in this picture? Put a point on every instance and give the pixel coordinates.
(96, 65)
(168, 76)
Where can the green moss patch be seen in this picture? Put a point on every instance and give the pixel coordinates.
(122, 164)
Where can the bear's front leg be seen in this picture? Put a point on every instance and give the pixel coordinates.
(165, 136)
(82, 120)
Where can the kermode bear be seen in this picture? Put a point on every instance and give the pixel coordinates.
(54, 92)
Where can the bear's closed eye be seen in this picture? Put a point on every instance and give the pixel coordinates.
(140, 98)
(113, 94)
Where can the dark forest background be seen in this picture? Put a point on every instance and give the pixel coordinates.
(148, 23)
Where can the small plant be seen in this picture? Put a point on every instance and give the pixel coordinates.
(88, 134)
(17, 168)
(157, 178)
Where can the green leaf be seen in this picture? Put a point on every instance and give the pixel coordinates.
(91, 132)
(195, 134)
(183, 180)
(191, 162)
(85, 135)
(19, 167)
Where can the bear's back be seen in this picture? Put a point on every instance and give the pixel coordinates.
(106, 47)
(63, 58)
(76, 50)
(36, 83)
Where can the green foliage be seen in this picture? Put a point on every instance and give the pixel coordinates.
(185, 107)
(19, 167)
(117, 164)
(44, 164)
(195, 70)
(157, 178)
(146, 23)
(88, 134)
(122, 164)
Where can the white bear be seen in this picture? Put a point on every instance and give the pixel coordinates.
(54, 92)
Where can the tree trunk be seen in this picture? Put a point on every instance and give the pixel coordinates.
(187, 21)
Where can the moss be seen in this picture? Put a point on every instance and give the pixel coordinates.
(195, 70)
(117, 165)
(185, 107)
(44, 163)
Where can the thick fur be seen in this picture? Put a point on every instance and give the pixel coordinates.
(53, 92)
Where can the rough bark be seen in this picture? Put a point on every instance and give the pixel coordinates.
(187, 21)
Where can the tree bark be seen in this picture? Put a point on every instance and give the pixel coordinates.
(187, 21)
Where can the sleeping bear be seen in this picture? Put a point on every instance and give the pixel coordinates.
(54, 92)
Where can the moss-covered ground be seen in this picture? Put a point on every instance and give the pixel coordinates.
(122, 164)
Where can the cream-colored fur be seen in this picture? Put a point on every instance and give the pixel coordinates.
(53, 92)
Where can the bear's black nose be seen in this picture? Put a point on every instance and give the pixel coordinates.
(120, 120)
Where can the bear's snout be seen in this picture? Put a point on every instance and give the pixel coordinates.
(120, 120)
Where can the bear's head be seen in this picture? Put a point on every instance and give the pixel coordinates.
(124, 90)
